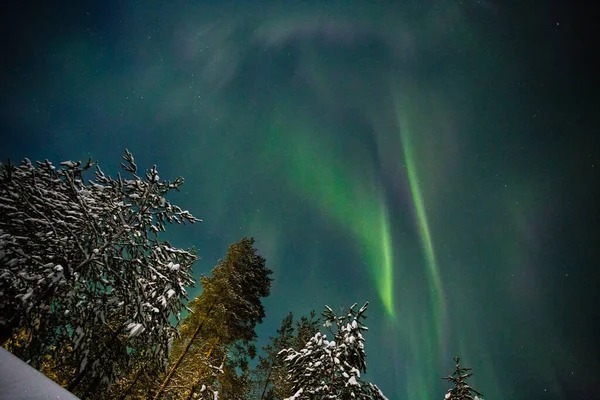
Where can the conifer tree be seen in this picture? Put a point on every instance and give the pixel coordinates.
(461, 390)
(226, 312)
(268, 364)
(270, 375)
(331, 369)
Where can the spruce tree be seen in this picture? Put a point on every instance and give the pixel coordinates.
(270, 376)
(461, 390)
(331, 369)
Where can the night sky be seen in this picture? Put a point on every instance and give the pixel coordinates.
(438, 158)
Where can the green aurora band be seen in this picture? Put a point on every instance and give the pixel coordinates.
(316, 172)
(433, 272)
(427, 348)
(356, 204)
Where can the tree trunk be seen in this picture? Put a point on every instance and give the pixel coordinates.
(262, 396)
(197, 383)
(180, 359)
(137, 376)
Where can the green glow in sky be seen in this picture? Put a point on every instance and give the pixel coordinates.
(406, 154)
(352, 199)
(433, 272)
(426, 334)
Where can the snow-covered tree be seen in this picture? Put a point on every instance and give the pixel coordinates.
(461, 390)
(270, 376)
(331, 369)
(85, 283)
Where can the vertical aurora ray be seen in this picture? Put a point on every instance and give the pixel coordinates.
(433, 272)
(385, 277)
(355, 204)
(421, 339)
(421, 214)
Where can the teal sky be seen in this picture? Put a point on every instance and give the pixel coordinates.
(435, 158)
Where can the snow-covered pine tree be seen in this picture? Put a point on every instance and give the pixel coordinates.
(461, 390)
(330, 369)
(85, 284)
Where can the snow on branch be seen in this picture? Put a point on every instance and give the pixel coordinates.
(331, 369)
(82, 264)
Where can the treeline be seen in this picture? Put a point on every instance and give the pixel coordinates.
(91, 296)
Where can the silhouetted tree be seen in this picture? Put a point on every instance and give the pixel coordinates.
(461, 390)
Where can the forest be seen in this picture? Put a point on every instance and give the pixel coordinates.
(93, 298)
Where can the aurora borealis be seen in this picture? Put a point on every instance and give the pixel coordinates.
(438, 159)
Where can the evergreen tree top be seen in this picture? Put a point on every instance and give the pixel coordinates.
(461, 390)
